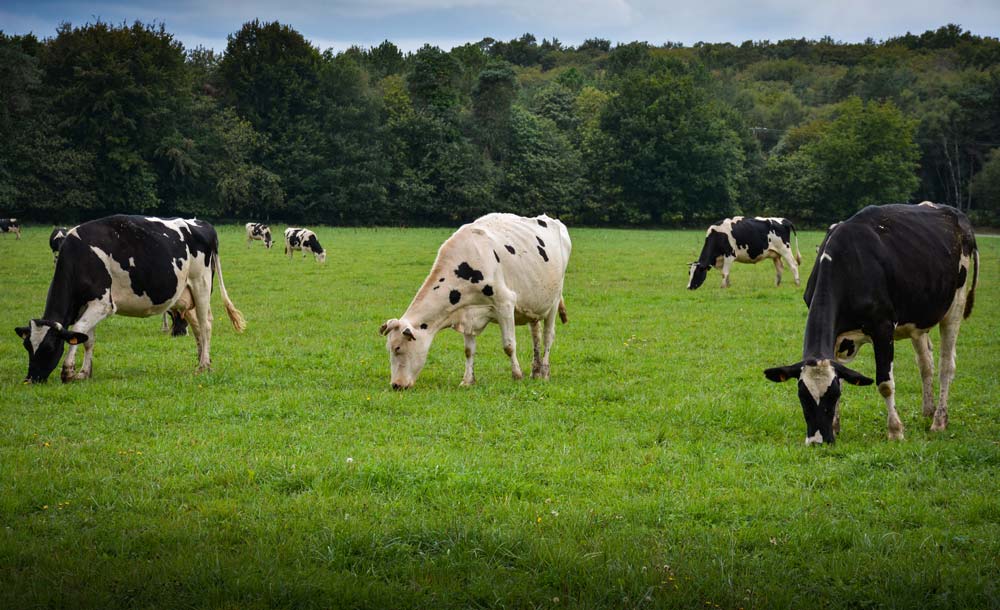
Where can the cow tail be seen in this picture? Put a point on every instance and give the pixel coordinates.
(971, 298)
(798, 255)
(562, 311)
(235, 316)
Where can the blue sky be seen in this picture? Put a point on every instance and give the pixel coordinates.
(411, 23)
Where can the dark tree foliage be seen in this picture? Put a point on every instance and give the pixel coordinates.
(107, 118)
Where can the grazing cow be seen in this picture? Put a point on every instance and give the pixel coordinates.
(10, 225)
(501, 268)
(887, 273)
(56, 239)
(260, 231)
(746, 240)
(305, 240)
(130, 265)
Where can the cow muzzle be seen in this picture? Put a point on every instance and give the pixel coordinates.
(401, 386)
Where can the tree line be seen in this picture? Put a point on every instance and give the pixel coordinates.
(105, 118)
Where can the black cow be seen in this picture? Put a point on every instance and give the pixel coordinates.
(305, 240)
(131, 265)
(56, 239)
(10, 225)
(887, 273)
(746, 240)
(260, 231)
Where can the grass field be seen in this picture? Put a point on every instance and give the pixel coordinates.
(657, 468)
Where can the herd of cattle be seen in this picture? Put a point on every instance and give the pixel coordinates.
(887, 273)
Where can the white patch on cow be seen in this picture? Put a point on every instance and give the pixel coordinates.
(929, 204)
(38, 333)
(691, 271)
(174, 224)
(825, 257)
(816, 439)
(818, 378)
(131, 261)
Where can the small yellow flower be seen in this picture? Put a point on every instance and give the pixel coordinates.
(539, 520)
(45, 507)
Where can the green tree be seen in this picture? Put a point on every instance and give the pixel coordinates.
(986, 186)
(491, 102)
(433, 79)
(827, 170)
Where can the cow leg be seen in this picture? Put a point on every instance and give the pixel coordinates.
(95, 311)
(536, 342)
(925, 362)
(201, 293)
(778, 267)
(786, 253)
(949, 335)
(505, 317)
(727, 263)
(882, 341)
(550, 336)
(166, 325)
(470, 357)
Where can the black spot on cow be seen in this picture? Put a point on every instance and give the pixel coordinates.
(541, 222)
(540, 242)
(466, 272)
(847, 347)
(496, 256)
(545, 256)
(455, 296)
(423, 326)
(440, 280)
(961, 277)
(179, 262)
(488, 290)
(510, 249)
(313, 244)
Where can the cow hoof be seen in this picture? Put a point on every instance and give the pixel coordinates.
(203, 368)
(81, 376)
(895, 435)
(468, 382)
(940, 423)
(68, 375)
(517, 375)
(929, 410)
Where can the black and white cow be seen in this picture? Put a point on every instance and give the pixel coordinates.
(130, 265)
(887, 273)
(10, 225)
(259, 231)
(56, 239)
(746, 240)
(305, 240)
(501, 268)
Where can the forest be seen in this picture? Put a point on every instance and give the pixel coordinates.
(121, 118)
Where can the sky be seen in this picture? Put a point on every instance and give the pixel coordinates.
(339, 24)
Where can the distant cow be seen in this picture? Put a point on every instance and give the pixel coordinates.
(259, 231)
(501, 268)
(56, 239)
(887, 273)
(746, 240)
(305, 240)
(10, 225)
(130, 265)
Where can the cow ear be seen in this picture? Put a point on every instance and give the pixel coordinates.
(389, 326)
(851, 377)
(784, 373)
(23, 331)
(408, 333)
(73, 337)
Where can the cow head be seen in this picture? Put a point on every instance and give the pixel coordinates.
(819, 393)
(408, 347)
(697, 275)
(45, 341)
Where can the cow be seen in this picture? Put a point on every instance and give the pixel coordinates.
(746, 240)
(305, 240)
(500, 268)
(889, 272)
(56, 239)
(259, 231)
(10, 225)
(130, 265)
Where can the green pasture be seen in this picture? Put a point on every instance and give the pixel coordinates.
(657, 468)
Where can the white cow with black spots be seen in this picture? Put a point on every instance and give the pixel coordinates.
(501, 268)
